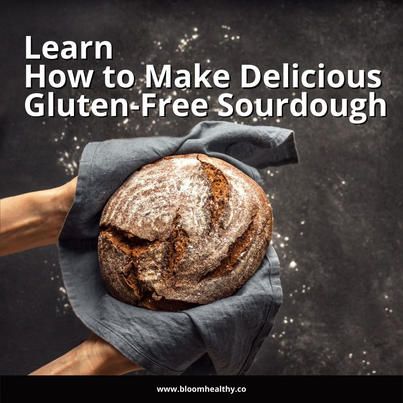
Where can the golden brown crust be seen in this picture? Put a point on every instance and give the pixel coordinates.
(183, 231)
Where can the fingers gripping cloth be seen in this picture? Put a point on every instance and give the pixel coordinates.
(228, 331)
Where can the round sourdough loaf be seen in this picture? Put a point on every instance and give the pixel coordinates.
(183, 231)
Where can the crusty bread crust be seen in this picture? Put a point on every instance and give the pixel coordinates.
(183, 231)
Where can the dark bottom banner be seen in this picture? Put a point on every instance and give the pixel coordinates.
(302, 388)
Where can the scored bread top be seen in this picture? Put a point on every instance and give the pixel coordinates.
(187, 229)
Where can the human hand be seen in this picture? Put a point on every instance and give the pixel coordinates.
(34, 219)
(92, 357)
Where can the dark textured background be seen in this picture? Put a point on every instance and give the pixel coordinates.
(338, 214)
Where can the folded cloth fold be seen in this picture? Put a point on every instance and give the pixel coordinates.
(229, 330)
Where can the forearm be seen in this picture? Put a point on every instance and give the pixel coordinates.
(92, 357)
(34, 219)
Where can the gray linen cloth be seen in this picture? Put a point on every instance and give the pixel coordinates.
(228, 332)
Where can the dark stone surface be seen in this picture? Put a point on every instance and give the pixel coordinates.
(338, 213)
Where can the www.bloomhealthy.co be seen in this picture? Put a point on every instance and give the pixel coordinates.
(201, 389)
